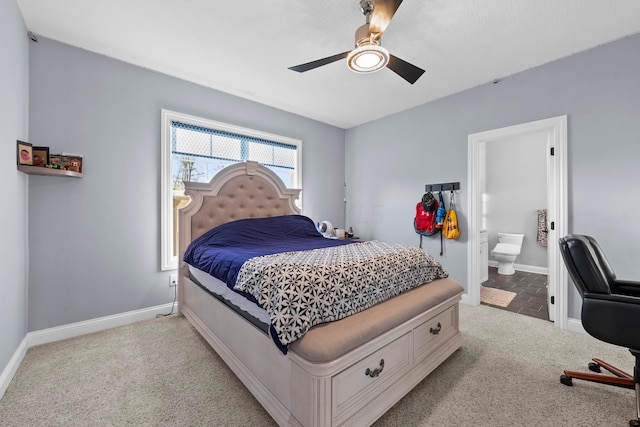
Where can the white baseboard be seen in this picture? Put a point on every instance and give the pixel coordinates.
(575, 325)
(71, 330)
(522, 267)
(10, 370)
(465, 299)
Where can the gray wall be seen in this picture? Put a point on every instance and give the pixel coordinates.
(14, 109)
(95, 242)
(516, 172)
(598, 89)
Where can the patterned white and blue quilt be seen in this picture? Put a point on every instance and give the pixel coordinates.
(305, 288)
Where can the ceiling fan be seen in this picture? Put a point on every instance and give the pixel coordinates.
(368, 55)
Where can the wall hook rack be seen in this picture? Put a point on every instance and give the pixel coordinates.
(447, 186)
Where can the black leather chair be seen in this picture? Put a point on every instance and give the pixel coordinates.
(610, 311)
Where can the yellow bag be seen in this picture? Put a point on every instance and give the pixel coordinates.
(450, 228)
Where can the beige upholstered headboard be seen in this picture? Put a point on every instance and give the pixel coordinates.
(242, 190)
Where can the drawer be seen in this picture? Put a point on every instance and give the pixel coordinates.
(370, 376)
(429, 335)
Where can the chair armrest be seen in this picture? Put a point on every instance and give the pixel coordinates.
(616, 298)
(626, 287)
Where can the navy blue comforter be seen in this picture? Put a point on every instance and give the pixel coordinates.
(222, 250)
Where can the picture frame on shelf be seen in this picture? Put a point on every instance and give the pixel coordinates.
(24, 152)
(40, 156)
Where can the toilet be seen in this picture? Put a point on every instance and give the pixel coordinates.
(506, 251)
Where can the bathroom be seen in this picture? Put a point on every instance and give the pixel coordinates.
(514, 191)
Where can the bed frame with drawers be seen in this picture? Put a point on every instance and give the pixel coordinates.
(347, 372)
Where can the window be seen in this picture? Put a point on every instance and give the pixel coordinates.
(195, 149)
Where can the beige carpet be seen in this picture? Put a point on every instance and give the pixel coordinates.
(161, 373)
(496, 297)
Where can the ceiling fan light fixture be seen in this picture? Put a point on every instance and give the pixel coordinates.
(368, 58)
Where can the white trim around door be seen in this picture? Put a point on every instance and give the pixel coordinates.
(557, 217)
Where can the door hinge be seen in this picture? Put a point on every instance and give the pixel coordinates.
(553, 151)
(553, 299)
(552, 225)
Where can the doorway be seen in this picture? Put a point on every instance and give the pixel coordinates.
(555, 131)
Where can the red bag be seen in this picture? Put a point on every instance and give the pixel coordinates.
(426, 211)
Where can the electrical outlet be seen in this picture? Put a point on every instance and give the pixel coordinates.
(173, 280)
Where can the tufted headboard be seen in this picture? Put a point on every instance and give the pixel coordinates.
(242, 190)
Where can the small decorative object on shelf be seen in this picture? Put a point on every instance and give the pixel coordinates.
(72, 162)
(56, 161)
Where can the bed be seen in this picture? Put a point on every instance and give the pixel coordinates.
(344, 372)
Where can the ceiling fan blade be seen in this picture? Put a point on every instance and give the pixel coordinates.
(382, 14)
(319, 62)
(407, 71)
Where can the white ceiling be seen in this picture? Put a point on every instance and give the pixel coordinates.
(243, 47)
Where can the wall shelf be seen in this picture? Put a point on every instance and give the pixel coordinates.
(39, 170)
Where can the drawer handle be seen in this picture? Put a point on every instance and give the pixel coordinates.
(436, 331)
(374, 373)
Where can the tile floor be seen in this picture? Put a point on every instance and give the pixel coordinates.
(530, 287)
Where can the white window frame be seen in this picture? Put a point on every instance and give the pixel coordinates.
(168, 261)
